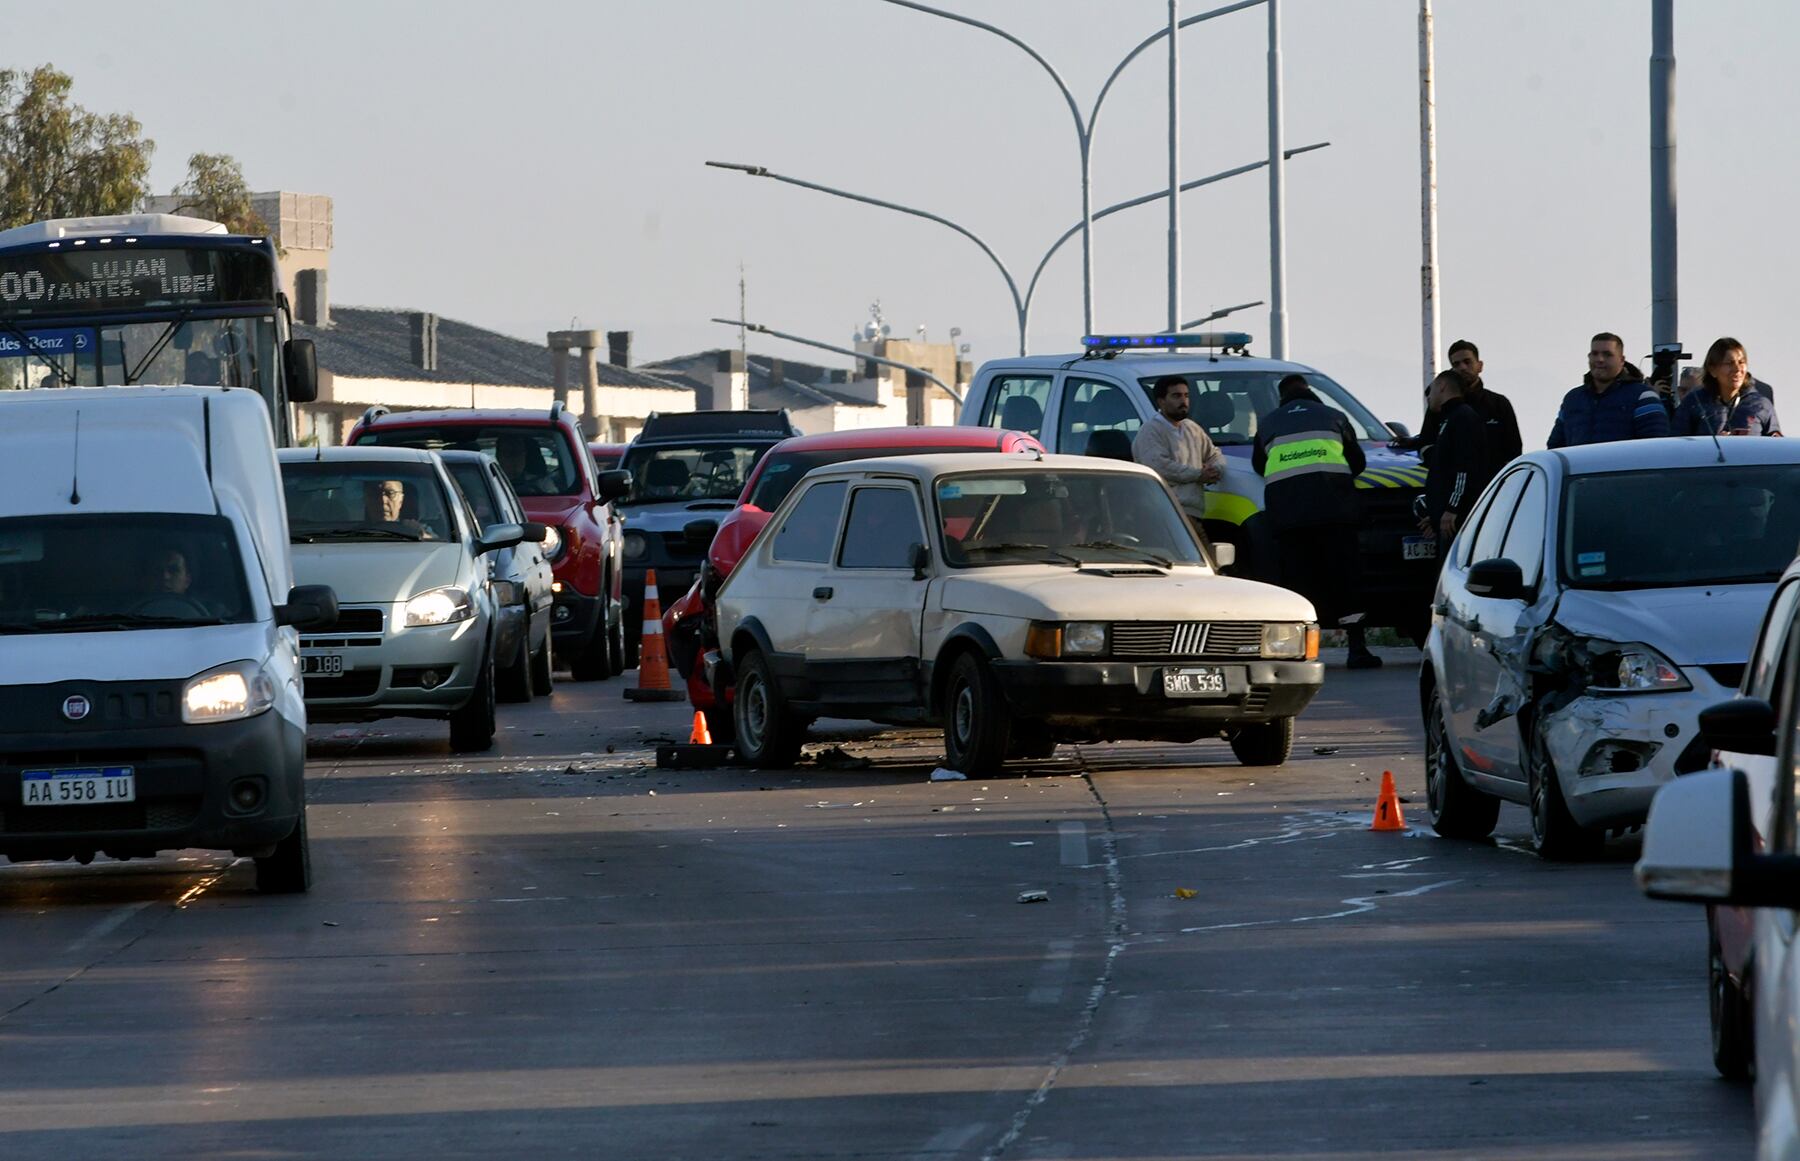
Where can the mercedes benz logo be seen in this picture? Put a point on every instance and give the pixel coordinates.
(75, 707)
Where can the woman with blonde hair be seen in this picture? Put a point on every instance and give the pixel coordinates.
(1727, 401)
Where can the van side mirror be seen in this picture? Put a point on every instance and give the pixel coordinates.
(1224, 554)
(920, 558)
(1498, 579)
(1743, 725)
(613, 485)
(500, 536)
(1699, 848)
(300, 363)
(309, 607)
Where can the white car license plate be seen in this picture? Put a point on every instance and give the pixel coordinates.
(322, 665)
(1204, 681)
(79, 786)
(1418, 548)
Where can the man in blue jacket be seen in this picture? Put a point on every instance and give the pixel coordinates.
(1612, 403)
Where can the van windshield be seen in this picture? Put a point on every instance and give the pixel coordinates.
(71, 574)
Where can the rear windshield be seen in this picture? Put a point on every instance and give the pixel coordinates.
(535, 459)
(710, 471)
(68, 574)
(786, 468)
(340, 500)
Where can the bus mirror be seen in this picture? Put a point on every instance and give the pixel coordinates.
(302, 366)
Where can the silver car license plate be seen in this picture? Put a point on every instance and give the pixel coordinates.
(1197, 681)
(322, 665)
(79, 786)
(1418, 548)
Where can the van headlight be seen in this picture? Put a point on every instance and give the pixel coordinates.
(439, 607)
(1290, 640)
(635, 546)
(226, 694)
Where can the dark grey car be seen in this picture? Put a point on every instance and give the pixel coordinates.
(521, 579)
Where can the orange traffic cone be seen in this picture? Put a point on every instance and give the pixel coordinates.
(1388, 815)
(699, 735)
(653, 656)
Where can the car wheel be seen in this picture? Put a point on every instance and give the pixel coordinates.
(1555, 835)
(768, 734)
(543, 669)
(513, 684)
(1264, 743)
(977, 724)
(1458, 810)
(1733, 1019)
(288, 870)
(615, 645)
(472, 726)
(629, 643)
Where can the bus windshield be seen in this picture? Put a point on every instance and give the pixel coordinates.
(203, 352)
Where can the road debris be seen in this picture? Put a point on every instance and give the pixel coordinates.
(943, 775)
(1034, 896)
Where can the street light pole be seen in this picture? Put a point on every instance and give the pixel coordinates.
(1664, 302)
(1278, 336)
(851, 351)
(1215, 315)
(1428, 219)
(1174, 164)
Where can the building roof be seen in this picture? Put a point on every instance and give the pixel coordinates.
(803, 385)
(374, 343)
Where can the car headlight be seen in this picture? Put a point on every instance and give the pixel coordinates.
(439, 607)
(226, 694)
(635, 546)
(1084, 637)
(1292, 640)
(1636, 669)
(507, 592)
(1049, 640)
(553, 543)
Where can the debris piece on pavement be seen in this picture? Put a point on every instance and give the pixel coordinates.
(834, 758)
(1185, 892)
(943, 775)
(1025, 843)
(1325, 749)
(1034, 896)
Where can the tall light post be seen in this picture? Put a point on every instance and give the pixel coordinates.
(1174, 164)
(851, 351)
(1278, 336)
(1021, 302)
(1664, 316)
(1215, 316)
(1084, 127)
(1428, 221)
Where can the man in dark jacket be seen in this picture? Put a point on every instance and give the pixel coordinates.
(1309, 459)
(1612, 403)
(1461, 465)
(1495, 410)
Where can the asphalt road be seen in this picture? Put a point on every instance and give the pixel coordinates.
(557, 950)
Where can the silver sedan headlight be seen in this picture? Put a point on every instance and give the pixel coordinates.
(439, 607)
(1638, 669)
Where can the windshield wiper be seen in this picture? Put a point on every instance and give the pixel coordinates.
(1018, 547)
(1115, 546)
(26, 344)
(162, 341)
(355, 532)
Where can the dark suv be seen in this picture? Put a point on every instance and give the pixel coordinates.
(686, 470)
(546, 459)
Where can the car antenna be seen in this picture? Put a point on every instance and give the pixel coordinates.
(1717, 446)
(75, 463)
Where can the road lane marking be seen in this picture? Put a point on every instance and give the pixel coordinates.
(949, 1141)
(1074, 843)
(107, 926)
(1358, 906)
(1059, 957)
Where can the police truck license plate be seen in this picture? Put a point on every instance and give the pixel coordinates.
(1208, 681)
(322, 665)
(79, 786)
(1418, 548)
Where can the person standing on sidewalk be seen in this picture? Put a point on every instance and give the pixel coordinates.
(1612, 403)
(1461, 466)
(1309, 459)
(1178, 449)
(1726, 402)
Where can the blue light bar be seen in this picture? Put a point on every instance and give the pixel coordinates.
(1226, 339)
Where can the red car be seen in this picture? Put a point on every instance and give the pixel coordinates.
(547, 461)
(688, 625)
(607, 455)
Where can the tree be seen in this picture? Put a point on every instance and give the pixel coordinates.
(215, 190)
(57, 160)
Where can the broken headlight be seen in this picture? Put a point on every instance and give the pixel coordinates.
(1635, 669)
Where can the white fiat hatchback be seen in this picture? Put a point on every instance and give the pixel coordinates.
(1018, 601)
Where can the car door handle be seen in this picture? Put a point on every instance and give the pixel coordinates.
(822, 593)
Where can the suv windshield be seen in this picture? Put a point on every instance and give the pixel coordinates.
(1075, 518)
(204, 352)
(536, 459)
(707, 471)
(1718, 525)
(360, 500)
(785, 468)
(1231, 404)
(67, 574)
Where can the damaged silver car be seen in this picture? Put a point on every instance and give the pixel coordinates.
(1596, 600)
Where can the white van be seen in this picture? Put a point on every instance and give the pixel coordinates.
(150, 694)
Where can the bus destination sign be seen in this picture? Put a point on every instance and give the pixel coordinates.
(101, 283)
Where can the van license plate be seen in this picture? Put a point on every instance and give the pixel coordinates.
(1418, 548)
(1208, 681)
(79, 786)
(322, 665)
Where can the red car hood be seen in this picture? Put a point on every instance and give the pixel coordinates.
(735, 533)
(549, 509)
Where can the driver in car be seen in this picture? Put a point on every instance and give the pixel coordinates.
(384, 501)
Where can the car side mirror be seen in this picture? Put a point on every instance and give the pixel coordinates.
(1400, 430)
(1743, 725)
(699, 533)
(1498, 579)
(500, 536)
(309, 607)
(613, 485)
(1699, 848)
(1224, 555)
(533, 531)
(300, 363)
(920, 558)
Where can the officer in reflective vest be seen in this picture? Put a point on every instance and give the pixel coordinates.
(1309, 459)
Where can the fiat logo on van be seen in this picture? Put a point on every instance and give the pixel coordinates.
(75, 707)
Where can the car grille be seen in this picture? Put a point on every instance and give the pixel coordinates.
(680, 548)
(356, 683)
(359, 620)
(156, 814)
(1187, 638)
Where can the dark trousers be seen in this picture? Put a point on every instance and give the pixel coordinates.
(1322, 564)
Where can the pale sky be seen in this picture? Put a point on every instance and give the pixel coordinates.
(525, 165)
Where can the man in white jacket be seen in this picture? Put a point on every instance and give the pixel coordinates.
(1178, 449)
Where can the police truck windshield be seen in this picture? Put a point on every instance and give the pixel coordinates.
(1231, 404)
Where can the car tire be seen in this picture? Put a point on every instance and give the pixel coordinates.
(513, 684)
(288, 869)
(472, 726)
(977, 724)
(1458, 810)
(1733, 1018)
(1555, 835)
(543, 669)
(615, 645)
(767, 733)
(1264, 743)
